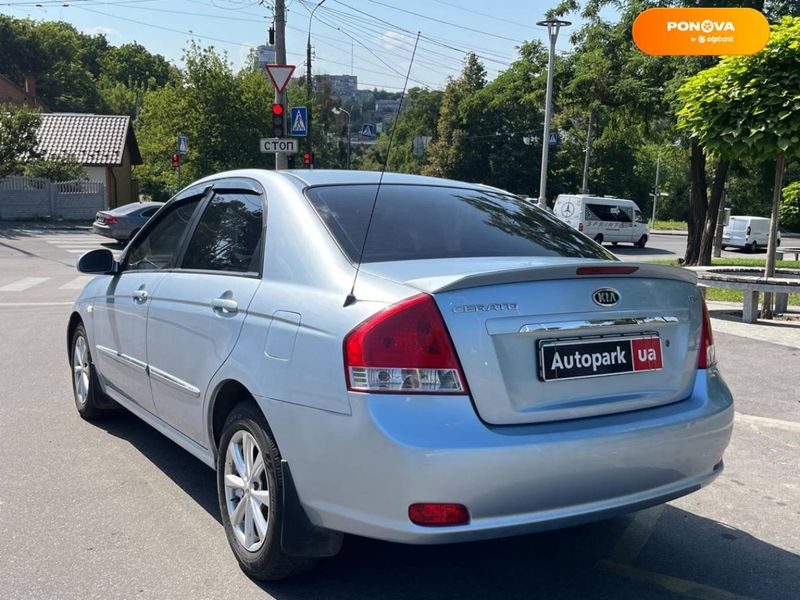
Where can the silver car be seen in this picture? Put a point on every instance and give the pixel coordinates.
(454, 365)
(124, 222)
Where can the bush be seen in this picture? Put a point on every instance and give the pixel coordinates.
(63, 168)
(790, 206)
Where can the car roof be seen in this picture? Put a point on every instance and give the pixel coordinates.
(127, 209)
(303, 178)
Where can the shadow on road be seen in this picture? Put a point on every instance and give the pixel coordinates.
(659, 554)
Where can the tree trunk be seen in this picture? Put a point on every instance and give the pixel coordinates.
(710, 226)
(769, 271)
(698, 205)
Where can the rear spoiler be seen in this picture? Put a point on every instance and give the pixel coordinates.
(572, 270)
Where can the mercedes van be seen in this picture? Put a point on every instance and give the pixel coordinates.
(602, 218)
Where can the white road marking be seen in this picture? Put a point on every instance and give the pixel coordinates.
(76, 284)
(767, 422)
(23, 284)
(26, 304)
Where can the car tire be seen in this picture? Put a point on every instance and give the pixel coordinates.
(614, 243)
(255, 537)
(91, 402)
(599, 238)
(642, 242)
(751, 248)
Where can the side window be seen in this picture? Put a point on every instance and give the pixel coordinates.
(149, 212)
(228, 236)
(639, 217)
(158, 249)
(625, 214)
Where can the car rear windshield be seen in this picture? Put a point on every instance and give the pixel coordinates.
(421, 221)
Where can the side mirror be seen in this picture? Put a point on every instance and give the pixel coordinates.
(98, 262)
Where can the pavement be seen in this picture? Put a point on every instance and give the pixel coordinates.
(115, 510)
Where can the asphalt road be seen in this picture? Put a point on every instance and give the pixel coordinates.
(666, 246)
(117, 511)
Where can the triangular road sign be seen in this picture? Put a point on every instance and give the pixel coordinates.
(280, 75)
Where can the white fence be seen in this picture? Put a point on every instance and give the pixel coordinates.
(33, 198)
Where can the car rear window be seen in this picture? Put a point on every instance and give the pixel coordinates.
(421, 222)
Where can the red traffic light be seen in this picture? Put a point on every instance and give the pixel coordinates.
(307, 158)
(277, 109)
(176, 161)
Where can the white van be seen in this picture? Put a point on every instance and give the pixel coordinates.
(749, 233)
(603, 219)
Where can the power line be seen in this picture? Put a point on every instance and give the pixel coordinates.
(449, 24)
(483, 14)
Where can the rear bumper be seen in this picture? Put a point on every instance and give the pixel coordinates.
(359, 473)
(102, 229)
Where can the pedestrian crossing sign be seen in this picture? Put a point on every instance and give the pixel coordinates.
(299, 121)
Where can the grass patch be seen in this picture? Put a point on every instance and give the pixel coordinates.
(722, 295)
(737, 262)
(668, 224)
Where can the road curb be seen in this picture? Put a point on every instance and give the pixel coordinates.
(668, 232)
(776, 332)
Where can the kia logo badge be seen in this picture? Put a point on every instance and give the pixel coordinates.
(605, 297)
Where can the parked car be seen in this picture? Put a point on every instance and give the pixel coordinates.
(603, 219)
(748, 233)
(466, 367)
(124, 222)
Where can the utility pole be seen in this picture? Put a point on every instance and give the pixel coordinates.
(281, 159)
(309, 80)
(656, 191)
(553, 26)
(585, 184)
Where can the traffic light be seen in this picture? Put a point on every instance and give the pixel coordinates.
(278, 119)
(290, 160)
(176, 161)
(308, 158)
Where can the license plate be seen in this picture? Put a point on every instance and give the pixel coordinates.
(580, 358)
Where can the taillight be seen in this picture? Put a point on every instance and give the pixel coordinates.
(606, 270)
(435, 514)
(708, 356)
(110, 219)
(748, 230)
(580, 226)
(403, 349)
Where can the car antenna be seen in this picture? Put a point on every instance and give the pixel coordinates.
(351, 298)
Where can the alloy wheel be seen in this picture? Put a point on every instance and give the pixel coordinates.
(80, 369)
(247, 490)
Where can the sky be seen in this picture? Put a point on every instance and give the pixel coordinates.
(374, 37)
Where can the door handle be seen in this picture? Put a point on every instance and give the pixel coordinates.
(225, 305)
(140, 296)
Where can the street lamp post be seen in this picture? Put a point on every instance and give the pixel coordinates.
(309, 82)
(553, 26)
(338, 111)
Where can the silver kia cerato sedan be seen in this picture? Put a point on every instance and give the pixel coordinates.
(455, 364)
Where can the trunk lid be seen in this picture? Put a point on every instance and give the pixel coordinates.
(508, 319)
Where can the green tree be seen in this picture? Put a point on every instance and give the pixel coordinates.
(18, 129)
(223, 113)
(419, 117)
(749, 106)
(56, 168)
(790, 206)
(451, 155)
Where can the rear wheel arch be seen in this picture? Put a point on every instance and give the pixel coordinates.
(229, 394)
(74, 320)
